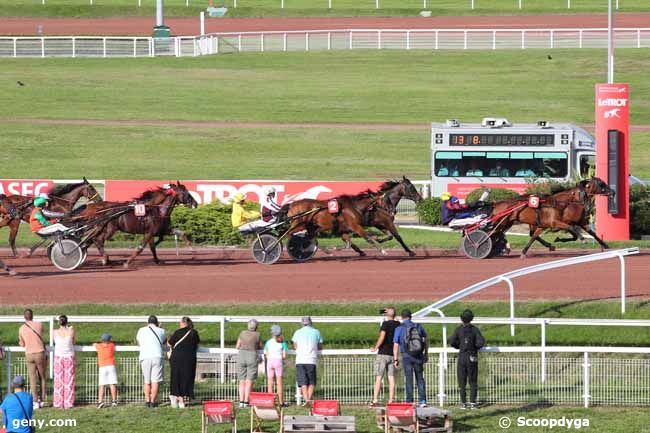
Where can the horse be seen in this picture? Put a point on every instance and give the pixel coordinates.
(159, 204)
(382, 215)
(63, 198)
(567, 210)
(315, 217)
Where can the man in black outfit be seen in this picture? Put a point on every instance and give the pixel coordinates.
(468, 340)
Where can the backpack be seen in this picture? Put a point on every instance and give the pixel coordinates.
(470, 342)
(414, 341)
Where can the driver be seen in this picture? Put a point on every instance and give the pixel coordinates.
(241, 216)
(453, 209)
(269, 207)
(38, 219)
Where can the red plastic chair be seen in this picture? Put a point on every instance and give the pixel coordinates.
(263, 408)
(325, 408)
(218, 412)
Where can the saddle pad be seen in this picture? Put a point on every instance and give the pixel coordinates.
(333, 206)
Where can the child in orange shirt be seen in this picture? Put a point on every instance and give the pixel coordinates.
(107, 371)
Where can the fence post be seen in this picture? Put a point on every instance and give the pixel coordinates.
(329, 40)
(239, 43)
(465, 39)
(284, 42)
(424, 2)
(472, 4)
(9, 367)
(104, 45)
(376, 4)
(622, 260)
(523, 39)
(187, 3)
(15, 47)
(543, 353)
(222, 346)
(74, 40)
(51, 347)
(216, 44)
(329, 4)
(519, 4)
(494, 39)
(262, 42)
(235, 4)
(441, 381)
(585, 379)
(135, 47)
(408, 39)
(42, 47)
(350, 39)
(638, 38)
(552, 44)
(616, 4)
(568, 4)
(436, 45)
(580, 38)
(379, 39)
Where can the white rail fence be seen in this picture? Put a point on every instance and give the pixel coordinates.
(320, 40)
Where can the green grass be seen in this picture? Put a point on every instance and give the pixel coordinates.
(362, 335)
(256, 8)
(133, 419)
(351, 87)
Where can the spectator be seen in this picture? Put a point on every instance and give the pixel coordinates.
(248, 343)
(107, 370)
(30, 336)
(411, 341)
(17, 408)
(307, 341)
(183, 344)
(468, 340)
(64, 364)
(384, 363)
(275, 351)
(150, 339)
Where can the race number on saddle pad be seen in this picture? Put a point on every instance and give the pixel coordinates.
(140, 210)
(533, 201)
(333, 206)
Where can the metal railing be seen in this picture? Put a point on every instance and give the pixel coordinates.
(319, 40)
(508, 375)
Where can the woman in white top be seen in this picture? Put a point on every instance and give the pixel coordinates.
(64, 364)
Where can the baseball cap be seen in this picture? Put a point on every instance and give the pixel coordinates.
(18, 381)
(276, 330)
(306, 321)
(106, 337)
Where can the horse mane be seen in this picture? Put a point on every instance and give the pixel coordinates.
(58, 191)
(148, 194)
(370, 193)
(388, 185)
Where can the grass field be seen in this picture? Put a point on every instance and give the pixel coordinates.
(343, 87)
(255, 8)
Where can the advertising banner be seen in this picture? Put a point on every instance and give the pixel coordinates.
(207, 191)
(24, 187)
(612, 157)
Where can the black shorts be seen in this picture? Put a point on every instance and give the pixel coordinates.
(306, 374)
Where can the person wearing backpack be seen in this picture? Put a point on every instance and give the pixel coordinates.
(17, 409)
(410, 340)
(468, 340)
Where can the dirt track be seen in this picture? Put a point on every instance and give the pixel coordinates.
(190, 26)
(223, 276)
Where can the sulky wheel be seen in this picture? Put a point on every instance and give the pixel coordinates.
(302, 247)
(66, 254)
(267, 249)
(476, 244)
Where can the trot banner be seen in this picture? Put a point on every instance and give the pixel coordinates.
(24, 187)
(613, 160)
(207, 191)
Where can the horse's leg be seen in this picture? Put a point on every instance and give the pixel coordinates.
(100, 240)
(538, 231)
(147, 239)
(574, 236)
(540, 240)
(185, 238)
(395, 234)
(603, 245)
(35, 247)
(14, 224)
(362, 233)
(8, 269)
(152, 247)
(349, 244)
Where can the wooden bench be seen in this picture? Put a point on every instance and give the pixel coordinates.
(320, 424)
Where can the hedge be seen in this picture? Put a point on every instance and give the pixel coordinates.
(208, 224)
(496, 194)
(639, 210)
(428, 211)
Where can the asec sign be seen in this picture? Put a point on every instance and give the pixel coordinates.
(24, 187)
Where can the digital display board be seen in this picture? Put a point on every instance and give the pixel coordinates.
(501, 139)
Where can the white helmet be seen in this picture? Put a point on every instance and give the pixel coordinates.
(44, 195)
(270, 190)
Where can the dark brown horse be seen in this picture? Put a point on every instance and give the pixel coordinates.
(16, 208)
(567, 210)
(370, 208)
(155, 222)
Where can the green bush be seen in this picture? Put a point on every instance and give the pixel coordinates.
(548, 187)
(639, 210)
(208, 224)
(429, 211)
(496, 194)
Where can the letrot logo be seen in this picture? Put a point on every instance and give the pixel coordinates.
(611, 114)
(612, 102)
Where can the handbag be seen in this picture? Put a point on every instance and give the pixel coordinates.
(171, 349)
(32, 429)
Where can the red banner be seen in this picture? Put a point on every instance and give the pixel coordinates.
(206, 191)
(461, 190)
(24, 187)
(612, 113)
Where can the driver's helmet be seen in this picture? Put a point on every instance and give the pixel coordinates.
(445, 196)
(40, 201)
(270, 190)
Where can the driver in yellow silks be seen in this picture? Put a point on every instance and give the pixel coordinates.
(241, 216)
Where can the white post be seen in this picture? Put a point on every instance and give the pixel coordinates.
(160, 13)
(622, 260)
(379, 39)
(472, 4)
(543, 354)
(511, 289)
(436, 45)
(281, 4)
(523, 39)
(222, 346)
(329, 4)
(216, 44)
(519, 4)
(494, 39)
(551, 39)
(104, 43)
(202, 23)
(568, 4)
(139, 3)
(74, 47)
(43, 2)
(51, 355)
(262, 42)
(239, 43)
(42, 47)
(9, 367)
(235, 4)
(424, 3)
(350, 39)
(465, 39)
(152, 46)
(329, 40)
(580, 38)
(441, 381)
(135, 47)
(610, 44)
(15, 47)
(306, 41)
(585, 379)
(91, 2)
(408, 39)
(638, 38)
(284, 42)
(187, 3)
(616, 4)
(376, 4)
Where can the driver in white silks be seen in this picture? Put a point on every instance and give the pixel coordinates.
(38, 219)
(269, 207)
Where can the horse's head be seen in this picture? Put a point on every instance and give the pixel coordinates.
(596, 186)
(409, 190)
(90, 192)
(183, 195)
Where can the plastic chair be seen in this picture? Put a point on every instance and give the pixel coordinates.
(263, 408)
(218, 412)
(325, 408)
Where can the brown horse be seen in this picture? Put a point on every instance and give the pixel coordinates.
(15, 208)
(567, 210)
(355, 212)
(159, 204)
